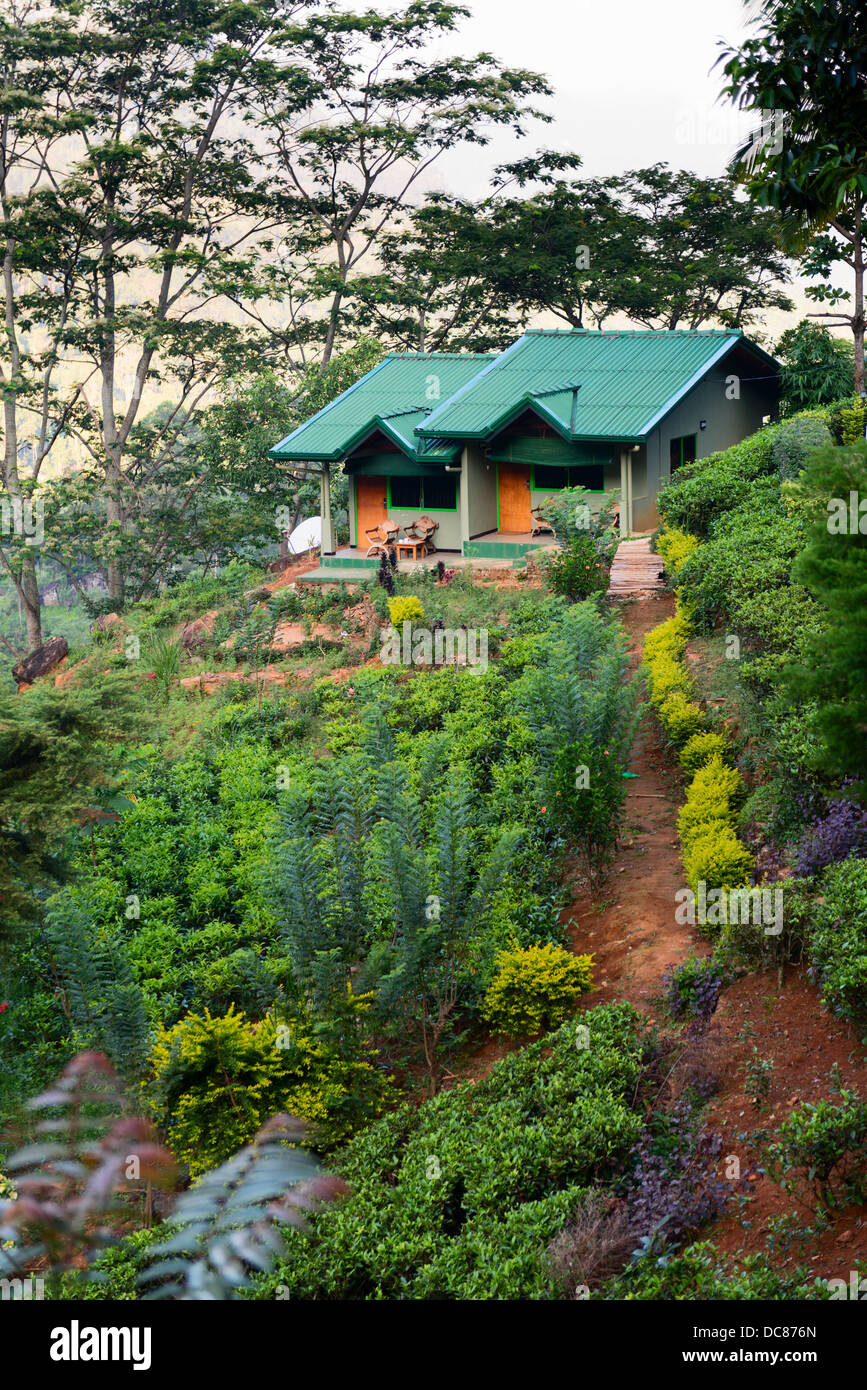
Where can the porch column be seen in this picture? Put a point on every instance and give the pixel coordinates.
(625, 492)
(327, 547)
(464, 495)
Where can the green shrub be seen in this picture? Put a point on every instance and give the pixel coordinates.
(702, 1272)
(535, 988)
(576, 570)
(707, 489)
(837, 939)
(795, 440)
(216, 1080)
(458, 1198)
(821, 1149)
(680, 717)
(667, 674)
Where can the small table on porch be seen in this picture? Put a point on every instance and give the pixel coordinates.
(412, 546)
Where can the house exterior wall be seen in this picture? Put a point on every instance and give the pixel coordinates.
(595, 499)
(728, 422)
(350, 503)
(448, 537)
(477, 490)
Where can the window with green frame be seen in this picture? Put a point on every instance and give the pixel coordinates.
(681, 450)
(437, 493)
(550, 477)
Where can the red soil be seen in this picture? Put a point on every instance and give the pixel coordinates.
(629, 927)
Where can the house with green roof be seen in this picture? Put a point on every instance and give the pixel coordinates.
(476, 441)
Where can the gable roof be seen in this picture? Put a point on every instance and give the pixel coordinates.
(587, 384)
(392, 399)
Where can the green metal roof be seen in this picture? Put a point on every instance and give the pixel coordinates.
(587, 385)
(393, 398)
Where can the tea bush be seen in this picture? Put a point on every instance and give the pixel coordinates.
(458, 1199)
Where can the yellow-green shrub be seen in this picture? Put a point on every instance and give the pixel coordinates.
(534, 988)
(215, 1080)
(696, 816)
(675, 547)
(699, 750)
(711, 798)
(666, 675)
(406, 608)
(669, 639)
(681, 718)
(717, 857)
(715, 776)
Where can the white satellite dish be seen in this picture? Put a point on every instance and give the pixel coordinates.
(307, 536)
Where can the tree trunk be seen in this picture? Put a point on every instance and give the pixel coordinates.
(858, 316)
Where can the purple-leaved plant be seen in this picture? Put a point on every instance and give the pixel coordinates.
(841, 832)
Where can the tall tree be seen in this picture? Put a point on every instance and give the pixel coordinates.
(663, 248)
(379, 113)
(817, 367)
(38, 49)
(804, 70)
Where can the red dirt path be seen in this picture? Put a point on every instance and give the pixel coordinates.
(630, 929)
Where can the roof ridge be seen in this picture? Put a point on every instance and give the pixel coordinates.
(601, 334)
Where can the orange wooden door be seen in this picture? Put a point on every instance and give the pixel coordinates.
(514, 491)
(370, 503)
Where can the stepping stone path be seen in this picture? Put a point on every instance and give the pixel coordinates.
(636, 569)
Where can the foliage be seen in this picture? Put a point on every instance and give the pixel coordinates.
(700, 1272)
(816, 367)
(576, 570)
(405, 609)
(57, 767)
(703, 491)
(795, 440)
(841, 832)
(811, 170)
(821, 1150)
(675, 547)
(693, 988)
(98, 1155)
(833, 566)
(78, 1170)
(215, 1081)
(680, 717)
(836, 927)
(583, 712)
(535, 988)
(231, 1226)
(717, 857)
(701, 748)
(460, 1197)
(675, 1185)
(576, 515)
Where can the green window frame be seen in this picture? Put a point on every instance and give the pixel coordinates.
(683, 449)
(422, 504)
(573, 473)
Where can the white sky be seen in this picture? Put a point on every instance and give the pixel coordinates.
(634, 83)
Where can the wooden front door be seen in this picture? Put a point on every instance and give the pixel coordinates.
(370, 505)
(514, 493)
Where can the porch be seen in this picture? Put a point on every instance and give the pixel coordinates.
(491, 550)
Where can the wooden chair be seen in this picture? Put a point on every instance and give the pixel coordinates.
(381, 538)
(423, 529)
(540, 527)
